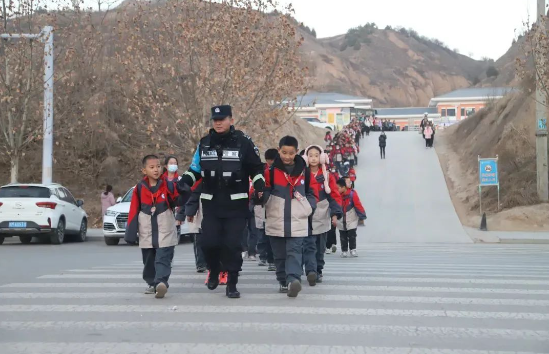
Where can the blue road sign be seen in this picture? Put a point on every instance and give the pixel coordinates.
(488, 172)
(542, 124)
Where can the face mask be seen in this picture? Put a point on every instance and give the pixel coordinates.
(172, 168)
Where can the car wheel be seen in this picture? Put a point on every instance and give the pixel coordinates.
(82, 235)
(25, 239)
(1, 240)
(112, 241)
(58, 235)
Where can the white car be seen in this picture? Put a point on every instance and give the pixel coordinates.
(317, 123)
(38, 210)
(115, 221)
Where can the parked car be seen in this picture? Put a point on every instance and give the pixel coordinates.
(115, 221)
(317, 123)
(38, 210)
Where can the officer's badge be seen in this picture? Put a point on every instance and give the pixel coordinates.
(217, 110)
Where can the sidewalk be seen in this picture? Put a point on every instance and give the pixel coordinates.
(507, 236)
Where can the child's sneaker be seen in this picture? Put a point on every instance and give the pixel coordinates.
(294, 288)
(334, 249)
(283, 288)
(354, 253)
(311, 278)
(344, 255)
(150, 290)
(272, 267)
(161, 290)
(328, 251)
(262, 263)
(223, 278)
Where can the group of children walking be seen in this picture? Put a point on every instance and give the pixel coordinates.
(304, 201)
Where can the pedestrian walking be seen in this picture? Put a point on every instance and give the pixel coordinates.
(192, 213)
(353, 211)
(151, 220)
(249, 240)
(382, 144)
(170, 169)
(225, 160)
(289, 202)
(264, 248)
(107, 200)
(328, 210)
(428, 133)
(328, 138)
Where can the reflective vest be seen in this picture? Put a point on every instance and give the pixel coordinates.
(222, 168)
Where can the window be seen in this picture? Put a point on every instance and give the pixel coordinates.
(70, 198)
(24, 192)
(470, 111)
(443, 112)
(463, 112)
(61, 194)
(128, 197)
(451, 112)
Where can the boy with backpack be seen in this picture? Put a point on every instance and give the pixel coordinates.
(152, 217)
(353, 211)
(289, 202)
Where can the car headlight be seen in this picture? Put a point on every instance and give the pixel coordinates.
(110, 213)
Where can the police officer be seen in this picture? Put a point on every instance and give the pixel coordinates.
(225, 159)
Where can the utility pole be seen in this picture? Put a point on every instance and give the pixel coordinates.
(541, 109)
(46, 36)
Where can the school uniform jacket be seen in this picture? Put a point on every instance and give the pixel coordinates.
(158, 229)
(353, 211)
(286, 215)
(327, 205)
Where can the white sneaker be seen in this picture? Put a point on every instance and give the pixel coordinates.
(252, 258)
(344, 255)
(328, 251)
(354, 253)
(245, 255)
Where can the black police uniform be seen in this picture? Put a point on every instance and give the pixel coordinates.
(225, 163)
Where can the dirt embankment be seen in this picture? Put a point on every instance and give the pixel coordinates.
(505, 128)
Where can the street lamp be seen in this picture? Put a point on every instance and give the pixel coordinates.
(46, 37)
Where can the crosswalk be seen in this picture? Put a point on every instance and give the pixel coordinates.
(424, 299)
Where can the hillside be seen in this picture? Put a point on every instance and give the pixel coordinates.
(505, 128)
(395, 68)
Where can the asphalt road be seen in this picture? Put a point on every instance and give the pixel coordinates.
(405, 195)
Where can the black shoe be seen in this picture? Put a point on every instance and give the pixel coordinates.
(213, 281)
(201, 269)
(231, 292)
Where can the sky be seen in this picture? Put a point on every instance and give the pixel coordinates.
(478, 28)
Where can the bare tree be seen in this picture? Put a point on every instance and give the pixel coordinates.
(184, 57)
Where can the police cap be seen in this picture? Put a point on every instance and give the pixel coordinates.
(221, 112)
